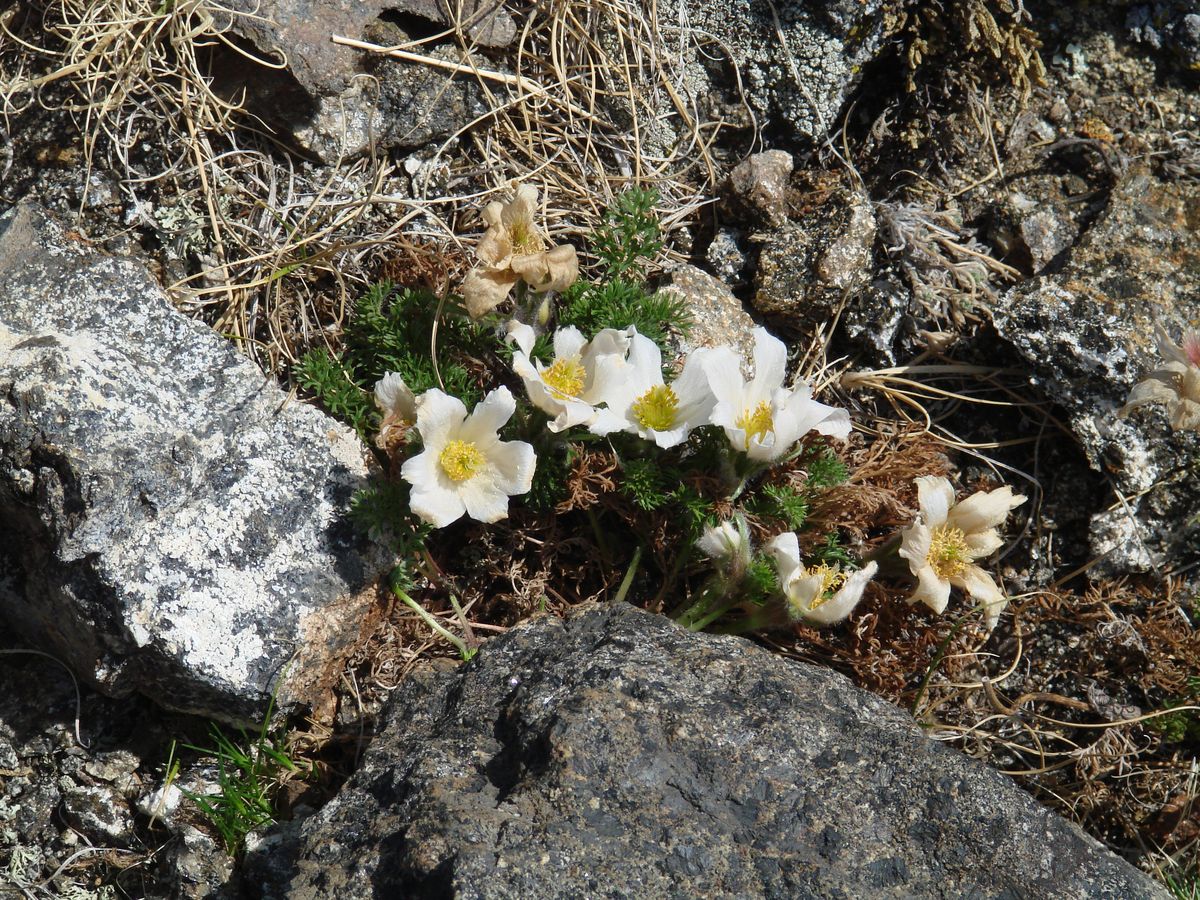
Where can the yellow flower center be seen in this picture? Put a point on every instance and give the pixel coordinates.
(656, 408)
(460, 460)
(948, 553)
(565, 378)
(831, 579)
(756, 422)
(525, 238)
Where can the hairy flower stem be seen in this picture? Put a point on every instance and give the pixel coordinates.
(933, 666)
(627, 581)
(888, 557)
(463, 650)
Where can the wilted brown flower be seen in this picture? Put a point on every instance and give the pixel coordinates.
(514, 249)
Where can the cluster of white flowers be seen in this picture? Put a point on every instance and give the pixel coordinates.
(612, 383)
(942, 547)
(615, 383)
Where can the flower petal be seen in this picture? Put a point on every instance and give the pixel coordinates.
(488, 416)
(935, 497)
(979, 584)
(786, 550)
(438, 416)
(524, 336)
(483, 500)
(841, 604)
(770, 363)
(723, 369)
(915, 543)
(934, 592)
(395, 399)
(486, 288)
(514, 463)
(984, 510)
(568, 342)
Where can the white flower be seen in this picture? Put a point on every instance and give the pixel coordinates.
(566, 389)
(465, 467)
(514, 249)
(946, 539)
(396, 401)
(724, 541)
(1177, 383)
(762, 418)
(640, 402)
(823, 594)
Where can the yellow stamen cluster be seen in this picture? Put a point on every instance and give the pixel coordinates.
(656, 408)
(460, 460)
(948, 552)
(831, 579)
(756, 422)
(525, 238)
(565, 378)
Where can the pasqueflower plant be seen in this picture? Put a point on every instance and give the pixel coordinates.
(753, 438)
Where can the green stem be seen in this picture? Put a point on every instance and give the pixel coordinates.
(933, 666)
(464, 651)
(627, 581)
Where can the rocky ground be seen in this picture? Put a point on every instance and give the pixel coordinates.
(966, 219)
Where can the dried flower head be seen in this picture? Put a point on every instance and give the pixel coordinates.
(1176, 384)
(514, 249)
(821, 595)
(946, 539)
(465, 467)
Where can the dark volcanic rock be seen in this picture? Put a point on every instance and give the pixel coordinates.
(1088, 332)
(331, 113)
(616, 755)
(172, 525)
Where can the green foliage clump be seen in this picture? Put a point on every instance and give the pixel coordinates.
(249, 775)
(627, 241)
(391, 331)
(630, 235)
(1178, 727)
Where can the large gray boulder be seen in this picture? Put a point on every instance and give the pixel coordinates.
(616, 755)
(1087, 332)
(172, 524)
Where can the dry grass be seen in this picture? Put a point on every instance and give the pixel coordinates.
(272, 252)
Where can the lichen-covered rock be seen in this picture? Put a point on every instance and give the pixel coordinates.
(99, 812)
(807, 268)
(798, 59)
(617, 755)
(1088, 333)
(328, 108)
(717, 315)
(173, 525)
(756, 192)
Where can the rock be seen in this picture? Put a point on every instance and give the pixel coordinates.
(198, 868)
(807, 268)
(99, 812)
(718, 317)
(1088, 333)
(1032, 235)
(173, 525)
(330, 111)
(798, 60)
(617, 755)
(1170, 25)
(875, 321)
(756, 192)
(725, 256)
